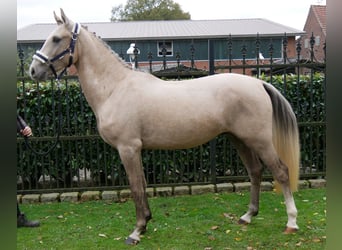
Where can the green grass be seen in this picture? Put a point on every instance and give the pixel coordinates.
(188, 222)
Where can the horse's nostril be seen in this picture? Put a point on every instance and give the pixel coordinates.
(32, 71)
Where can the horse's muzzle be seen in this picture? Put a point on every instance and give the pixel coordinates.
(39, 72)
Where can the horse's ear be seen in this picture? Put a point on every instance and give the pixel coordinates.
(58, 20)
(64, 17)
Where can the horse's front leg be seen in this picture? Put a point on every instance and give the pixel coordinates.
(131, 159)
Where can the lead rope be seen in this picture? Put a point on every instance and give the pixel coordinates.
(59, 126)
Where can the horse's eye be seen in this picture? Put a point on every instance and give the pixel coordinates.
(56, 39)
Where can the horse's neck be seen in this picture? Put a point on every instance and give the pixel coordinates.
(99, 70)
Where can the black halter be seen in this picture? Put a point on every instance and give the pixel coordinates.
(45, 59)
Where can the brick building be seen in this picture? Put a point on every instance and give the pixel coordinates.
(315, 33)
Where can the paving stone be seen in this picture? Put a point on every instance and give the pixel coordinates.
(30, 198)
(50, 197)
(90, 196)
(224, 187)
(266, 186)
(69, 196)
(202, 189)
(242, 186)
(125, 194)
(317, 183)
(164, 191)
(150, 192)
(115, 195)
(181, 190)
(111, 195)
(303, 184)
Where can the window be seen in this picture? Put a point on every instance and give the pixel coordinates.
(165, 48)
(306, 43)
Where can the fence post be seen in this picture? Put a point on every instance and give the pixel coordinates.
(192, 53)
(257, 55)
(136, 53)
(150, 61)
(211, 57)
(164, 51)
(230, 55)
(21, 58)
(244, 53)
(212, 143)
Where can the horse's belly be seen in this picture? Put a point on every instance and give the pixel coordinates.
(174, 143)
(180, 137)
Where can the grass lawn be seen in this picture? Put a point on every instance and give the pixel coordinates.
(185, 222)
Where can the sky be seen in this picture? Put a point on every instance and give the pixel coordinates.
(292, 13)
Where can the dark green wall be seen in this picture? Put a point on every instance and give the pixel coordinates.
(221, 48)
(201, 48)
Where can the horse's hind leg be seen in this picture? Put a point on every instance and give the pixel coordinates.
(131, 159)
(254, 169)
(280, 173)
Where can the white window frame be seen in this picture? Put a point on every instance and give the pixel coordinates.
(168, 46)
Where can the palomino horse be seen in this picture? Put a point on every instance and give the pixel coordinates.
(135, 110)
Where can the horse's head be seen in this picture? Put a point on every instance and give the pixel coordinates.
(59, 50)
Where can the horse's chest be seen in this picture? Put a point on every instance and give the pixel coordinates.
(113, 127)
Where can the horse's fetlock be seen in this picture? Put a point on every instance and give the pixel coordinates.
(255, 213)
(148, 217)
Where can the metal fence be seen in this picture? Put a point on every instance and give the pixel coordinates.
(82, 161)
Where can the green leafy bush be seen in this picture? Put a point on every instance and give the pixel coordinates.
(307, 94)
(46, 105)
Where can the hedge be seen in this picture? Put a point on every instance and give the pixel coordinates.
(38, 103)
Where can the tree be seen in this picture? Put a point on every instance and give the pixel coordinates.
(135, 10)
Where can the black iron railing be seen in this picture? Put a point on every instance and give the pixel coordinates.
(82, 160)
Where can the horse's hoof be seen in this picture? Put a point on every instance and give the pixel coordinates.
(130, 241)
(290, 230)
(242, 222)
